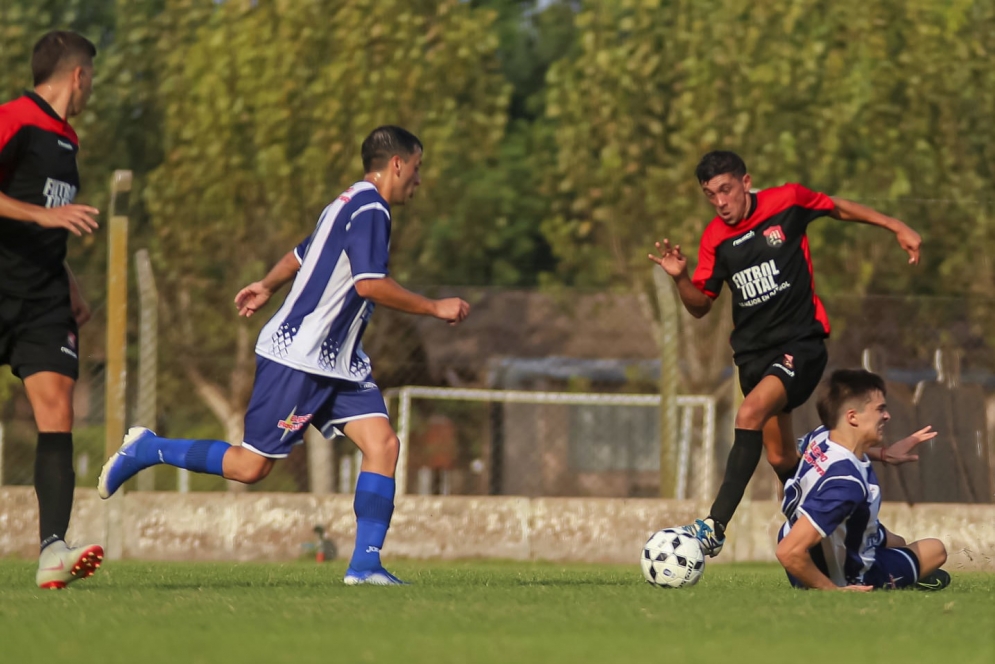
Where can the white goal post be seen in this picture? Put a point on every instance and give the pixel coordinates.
(686, 405)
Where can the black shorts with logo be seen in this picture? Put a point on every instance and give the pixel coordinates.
(798, 364)
(39, 335)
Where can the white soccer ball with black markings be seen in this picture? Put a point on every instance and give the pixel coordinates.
(672, 559)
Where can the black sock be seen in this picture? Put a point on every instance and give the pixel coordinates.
(744, 456)
(787, 474)
(55, 482)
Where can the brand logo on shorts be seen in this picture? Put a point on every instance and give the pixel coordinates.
(294, 422)
(63, 144)
(775, 236)
(368, 386)
(70, 347)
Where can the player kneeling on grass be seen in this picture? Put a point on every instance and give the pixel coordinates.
(310, 365)
(833, 539)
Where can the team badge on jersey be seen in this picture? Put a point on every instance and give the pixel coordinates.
(775, 236)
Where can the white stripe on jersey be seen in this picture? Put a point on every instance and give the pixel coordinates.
(369, 206)
(819, 454)
(302, 338)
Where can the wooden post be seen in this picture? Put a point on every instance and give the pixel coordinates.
(669, 380)
(148, 342)
(117, 311)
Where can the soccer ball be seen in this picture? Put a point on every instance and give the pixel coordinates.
(672, 559)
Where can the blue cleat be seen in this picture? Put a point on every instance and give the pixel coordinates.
(372, 577)
(704, 532)
(123, 465)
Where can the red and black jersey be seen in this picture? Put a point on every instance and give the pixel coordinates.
(37, 165)
(765, 260)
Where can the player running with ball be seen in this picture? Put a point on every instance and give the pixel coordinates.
(310, 365)
(757, 245)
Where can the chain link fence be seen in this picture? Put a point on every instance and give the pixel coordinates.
(602, 438)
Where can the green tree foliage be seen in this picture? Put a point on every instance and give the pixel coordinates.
(888, 102)
(264, 107)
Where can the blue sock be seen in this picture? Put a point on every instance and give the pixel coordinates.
(374, 504)
(200, 456)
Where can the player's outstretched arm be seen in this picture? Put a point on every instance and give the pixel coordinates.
(675, 264)
(387, 292)
(907, 238)
(76, 219)
(792, 553)
(902, 451)
(252, 298)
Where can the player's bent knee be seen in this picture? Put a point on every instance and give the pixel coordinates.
(246, 467)
(390, 448)
(751, 416)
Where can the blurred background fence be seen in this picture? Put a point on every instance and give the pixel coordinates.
(560, 140)
(557, 395)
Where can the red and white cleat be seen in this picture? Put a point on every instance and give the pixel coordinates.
(59, 564)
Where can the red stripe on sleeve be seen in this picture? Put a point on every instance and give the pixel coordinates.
(10, 124)
(820, 311)
(811, 200)
(706, 263)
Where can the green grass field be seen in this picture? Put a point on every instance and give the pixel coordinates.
(479, 612)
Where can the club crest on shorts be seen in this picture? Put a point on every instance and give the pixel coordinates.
(789, 361)
(775, 236)
(71, 341)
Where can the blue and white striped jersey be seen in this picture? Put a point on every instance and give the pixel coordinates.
(840, 495)
(319, 327)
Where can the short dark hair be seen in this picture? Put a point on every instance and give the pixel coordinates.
(57, 50)
(385, 142)
(844, 386)
(719, 162)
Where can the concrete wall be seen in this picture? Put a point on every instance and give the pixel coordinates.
(272, 526)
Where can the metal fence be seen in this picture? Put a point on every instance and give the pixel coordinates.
(546, 430)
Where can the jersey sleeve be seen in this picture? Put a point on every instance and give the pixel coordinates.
(708, 276)
(301, 249)
(810, 204)
(831, 501)
(10, 139)
(368, 243)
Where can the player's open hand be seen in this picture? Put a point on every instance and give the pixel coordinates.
(901, 452)
(252, 298)
(77, 219)
(910, 241)
(670, 259)
(453, 310)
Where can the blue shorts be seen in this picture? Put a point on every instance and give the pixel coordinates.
(285, 401)
(893, 568)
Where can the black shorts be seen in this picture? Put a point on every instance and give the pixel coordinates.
(798, 364)
(39, 335)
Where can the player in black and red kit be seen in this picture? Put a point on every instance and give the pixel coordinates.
(41, 307)
(757, 245)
